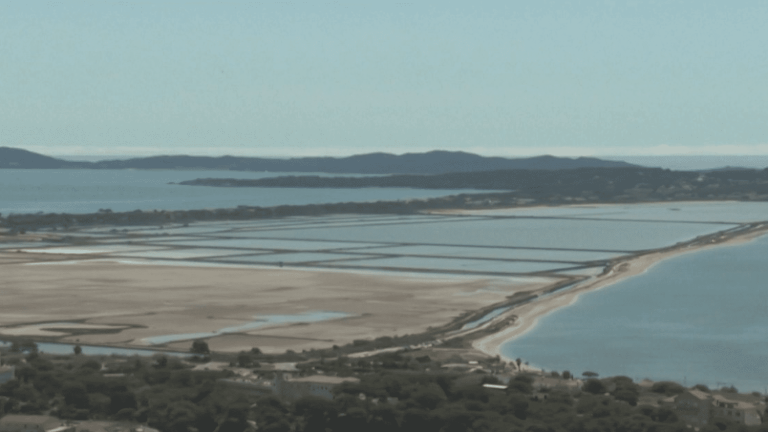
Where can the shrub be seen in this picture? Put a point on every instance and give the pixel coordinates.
(668, 388)
(594, 386)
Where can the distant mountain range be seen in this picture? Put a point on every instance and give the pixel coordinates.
(434, 162)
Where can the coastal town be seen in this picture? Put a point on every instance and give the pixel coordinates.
(423, 389)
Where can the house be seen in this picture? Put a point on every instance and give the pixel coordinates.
(7, 373)
(253, 387)
(696, 407)
(32, 423)
(739, 412)
(693, 406)
(543, 383)
(285, 387)
(317, 385)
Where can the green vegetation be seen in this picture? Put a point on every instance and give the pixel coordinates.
(398, 392)
(200, 347)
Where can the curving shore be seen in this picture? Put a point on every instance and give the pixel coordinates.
(527, 315)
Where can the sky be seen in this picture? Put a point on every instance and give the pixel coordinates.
(293, 78)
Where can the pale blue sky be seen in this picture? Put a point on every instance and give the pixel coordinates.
(509, 78)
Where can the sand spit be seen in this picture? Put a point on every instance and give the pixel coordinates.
(526, 316)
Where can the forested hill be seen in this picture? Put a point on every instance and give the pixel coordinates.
(625, 184)
(434, 162)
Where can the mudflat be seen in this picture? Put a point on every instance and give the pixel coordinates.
(126, 303)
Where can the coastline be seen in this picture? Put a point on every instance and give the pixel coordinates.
(527, 315)
(453, 299)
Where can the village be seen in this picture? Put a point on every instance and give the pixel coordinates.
(123, 394)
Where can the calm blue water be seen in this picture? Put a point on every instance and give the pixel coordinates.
(87, 191)
(543, 233)
(700, 317)
(721, 211)
(485, 318)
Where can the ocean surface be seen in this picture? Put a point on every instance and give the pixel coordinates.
(696, 318)
(87, 191)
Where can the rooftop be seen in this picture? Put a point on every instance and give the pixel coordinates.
(323, 379)
(737, 404)
(698, 394)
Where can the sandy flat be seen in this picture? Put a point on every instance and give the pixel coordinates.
(159, 300)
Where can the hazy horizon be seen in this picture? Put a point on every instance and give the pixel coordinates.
(495, 78)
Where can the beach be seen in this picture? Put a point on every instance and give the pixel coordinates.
(526, 316)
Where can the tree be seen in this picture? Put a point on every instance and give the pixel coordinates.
(76, 395)
(627, 396)
(318, 413)
(26, 373)
(122, 400)
(521, 383)
(518, 361)
(244, 359)
(590, 374)
(161, 361)
(77, 349)
(200, 347)
(566, 374)
(669, 388)
(594, 386)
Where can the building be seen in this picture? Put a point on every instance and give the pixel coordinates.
(7, 373)
(696, 407)
(32, 423)
(739, 412)
(317, 385)
(693, 407)
(545, 383)
(285, 387)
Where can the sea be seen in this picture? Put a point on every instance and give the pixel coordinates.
(88, 191)
(697, 318)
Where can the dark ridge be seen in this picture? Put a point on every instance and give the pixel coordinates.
(18, 158)
(434, 162)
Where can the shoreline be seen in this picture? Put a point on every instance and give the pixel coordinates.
(527, 315)
(519, 318)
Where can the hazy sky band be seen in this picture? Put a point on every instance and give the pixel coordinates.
(493, 77)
